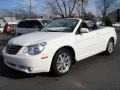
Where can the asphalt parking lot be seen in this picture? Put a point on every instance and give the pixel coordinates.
(98, 72)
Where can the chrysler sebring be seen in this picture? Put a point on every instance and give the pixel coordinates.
(58, 45)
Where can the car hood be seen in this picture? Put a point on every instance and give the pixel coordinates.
(37, 37)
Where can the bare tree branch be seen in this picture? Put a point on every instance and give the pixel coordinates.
(104, 6)
(81, 4)
(59, 7)
(64, 8)
(73, 7)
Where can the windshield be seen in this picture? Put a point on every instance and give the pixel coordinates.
(46, 22)
(61, 25)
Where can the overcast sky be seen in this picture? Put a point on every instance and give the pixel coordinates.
(39, 6)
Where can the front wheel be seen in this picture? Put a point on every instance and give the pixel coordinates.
(62, 62)
(110, 47)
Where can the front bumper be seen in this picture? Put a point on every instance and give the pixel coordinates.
(27, 63)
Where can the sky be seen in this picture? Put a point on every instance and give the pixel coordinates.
(39, 6)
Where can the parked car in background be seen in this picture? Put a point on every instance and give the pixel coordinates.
(10, 28)
(57, 46)
(117, 24)
(99, 23)
(32, 25)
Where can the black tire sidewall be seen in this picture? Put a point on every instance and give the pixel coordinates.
(54, 66)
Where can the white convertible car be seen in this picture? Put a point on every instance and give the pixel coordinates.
(58, 45)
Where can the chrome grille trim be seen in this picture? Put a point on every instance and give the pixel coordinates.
(13, 49)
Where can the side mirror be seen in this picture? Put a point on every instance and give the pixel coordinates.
(84, 30)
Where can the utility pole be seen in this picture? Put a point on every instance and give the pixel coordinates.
(82, 8)
(30, 7)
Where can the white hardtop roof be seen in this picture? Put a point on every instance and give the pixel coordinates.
(36, 19)
(12, 22)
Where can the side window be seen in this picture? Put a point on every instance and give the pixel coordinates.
(30, 24)
(46, 22)
(25, 24)
(37, 25)
(84, 25)
(92, 26)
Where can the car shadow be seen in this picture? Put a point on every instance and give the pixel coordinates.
(14, 74)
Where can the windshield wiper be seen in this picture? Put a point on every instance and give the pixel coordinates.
(52, 31)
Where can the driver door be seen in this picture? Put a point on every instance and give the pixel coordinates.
(85, 43)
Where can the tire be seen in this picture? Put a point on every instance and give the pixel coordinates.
(62, 62)
(110, 47)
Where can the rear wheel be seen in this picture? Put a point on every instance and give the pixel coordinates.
(110, 47)
(62, 62)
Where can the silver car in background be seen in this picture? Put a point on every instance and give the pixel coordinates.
(31, 25)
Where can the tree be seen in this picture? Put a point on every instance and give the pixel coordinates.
(107, 22)
(64, 8)
(81, 4)
(104, 6)
(89, 15)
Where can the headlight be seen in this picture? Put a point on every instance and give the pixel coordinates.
(35, 49)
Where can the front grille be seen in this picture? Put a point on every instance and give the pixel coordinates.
(13, 49)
